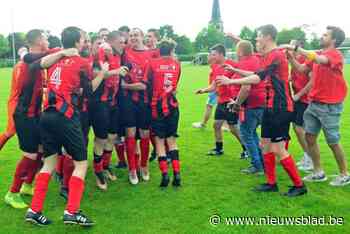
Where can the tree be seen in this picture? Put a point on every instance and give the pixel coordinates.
(286, 35)
(184, 45)
(167, 31)
(248, 34)
(4, 47)
(19, 39)
(208, 37)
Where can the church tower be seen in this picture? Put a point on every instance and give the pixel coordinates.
(216, 16)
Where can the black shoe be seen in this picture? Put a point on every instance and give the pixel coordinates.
(266, 188)
(165, 180)
(121, 165)
(64, 193)
(244, 155)
(177, 180)
(37, 218)
(78, 218)
(101, 177)
(296, 191)
(153, 156)
(215, 152)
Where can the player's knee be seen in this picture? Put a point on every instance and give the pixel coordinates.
(310, 139)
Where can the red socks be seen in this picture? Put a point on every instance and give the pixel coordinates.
(163, 164)
(106, 158)
(130, 152)
(68, 168)
(35, 167)
(40, 190)
(21, 174)
(270, 168)
(76, 189)
(174, 155)
(290, 167)
(120, 148)
(98, 163)
(59, 164)
(144, 145)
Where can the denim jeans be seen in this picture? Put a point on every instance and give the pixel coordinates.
(253, 118)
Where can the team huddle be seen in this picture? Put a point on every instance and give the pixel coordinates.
(123, 89)
(123, 85)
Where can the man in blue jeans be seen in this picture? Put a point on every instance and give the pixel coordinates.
(250, 102)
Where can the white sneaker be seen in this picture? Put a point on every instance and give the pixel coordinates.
(133, 179)
(145, 174)
(306, 167)
(315, 177)
(340, 180)
(198, 125)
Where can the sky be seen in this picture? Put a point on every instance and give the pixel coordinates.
(187, 16)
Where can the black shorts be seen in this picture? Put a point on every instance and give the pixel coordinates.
(275, 125)
(85, 123)
(136, 114)
(57, 131)
(28, 132)
(104, 119)
(165, 127)
(298, 115)
(223, 113)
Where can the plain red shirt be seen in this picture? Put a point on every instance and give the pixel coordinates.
(225, 92)
(299, 79)
(329, 85)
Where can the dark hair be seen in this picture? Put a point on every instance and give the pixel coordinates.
(33, 35)
(166, 47)
(102, 29)
(114, 35)
(70, 36)
(337, 34)
(220, 48)
(268, 30)
(95, 38)
(124, 29)
(54, 42)
(155, 32)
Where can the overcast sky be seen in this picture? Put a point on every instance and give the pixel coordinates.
(187, 16)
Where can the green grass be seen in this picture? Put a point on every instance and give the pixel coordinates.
(210, 185)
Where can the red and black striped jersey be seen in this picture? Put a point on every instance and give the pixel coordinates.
(163, 74)
(275, 73)
(107, 91)
(64, 84)
(137, 61)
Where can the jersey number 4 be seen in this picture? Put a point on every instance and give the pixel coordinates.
(55, 78)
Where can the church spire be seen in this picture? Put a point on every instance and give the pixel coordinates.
(216, 16)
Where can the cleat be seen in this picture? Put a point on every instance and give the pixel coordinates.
(296, 191)
(215, 152)
(78, 219)
(15, 200)
(198, 125)
(37, 218)
(252, 171)
(27, 189)
(340, 180)
(165, 180)
(176, 180)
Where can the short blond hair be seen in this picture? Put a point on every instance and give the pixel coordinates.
(246, 47)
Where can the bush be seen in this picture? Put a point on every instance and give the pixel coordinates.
(185, 57)
(6, 63)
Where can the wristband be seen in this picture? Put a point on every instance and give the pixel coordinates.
(311, 56)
